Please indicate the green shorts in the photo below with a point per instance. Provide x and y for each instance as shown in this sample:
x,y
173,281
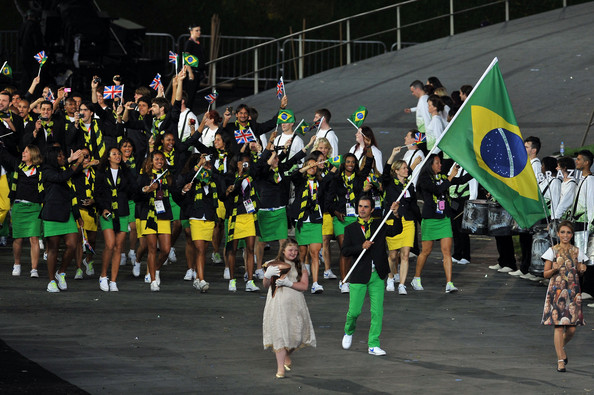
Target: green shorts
x,y
108,223
339,226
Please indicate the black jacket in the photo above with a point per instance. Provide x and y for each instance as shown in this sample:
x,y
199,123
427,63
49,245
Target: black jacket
x,y
128,190
57,203
27,187
353,245
336,198
409,209
272,194
429,187
205,207
143,199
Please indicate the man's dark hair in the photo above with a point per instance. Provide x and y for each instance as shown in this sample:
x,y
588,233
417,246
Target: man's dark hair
x,y
466,89
417,84
535,143
325,113
586,154
161,102
145,99
368,198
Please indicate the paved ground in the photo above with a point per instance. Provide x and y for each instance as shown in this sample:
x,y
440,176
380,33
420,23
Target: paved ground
x,y
486,338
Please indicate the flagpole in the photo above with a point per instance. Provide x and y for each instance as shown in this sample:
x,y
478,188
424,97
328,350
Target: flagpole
x,y
122,94
3,66
39,72
196,175
284,87
412,180
351,122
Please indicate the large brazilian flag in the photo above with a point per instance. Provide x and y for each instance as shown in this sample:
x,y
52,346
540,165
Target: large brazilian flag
x,y
484,138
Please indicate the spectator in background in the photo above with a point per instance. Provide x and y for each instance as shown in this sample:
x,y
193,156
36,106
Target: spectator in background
x,y
194,47
422,111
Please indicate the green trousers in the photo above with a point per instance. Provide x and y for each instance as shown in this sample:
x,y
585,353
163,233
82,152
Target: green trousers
x,y
375,287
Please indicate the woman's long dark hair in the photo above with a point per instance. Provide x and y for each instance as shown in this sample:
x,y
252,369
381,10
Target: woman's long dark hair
x,y
427,168
342,165
51,156
104,161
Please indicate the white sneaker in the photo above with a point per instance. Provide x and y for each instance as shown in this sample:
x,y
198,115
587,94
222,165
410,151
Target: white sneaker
x,y
450,288
527,276
416,284
347,340
495,267
226,274
245,277
402,289
463,261
34,273
113,287
41,245
390,285
397,278
188,276
155,287
345,288
45,259
136,268
308,268
412,255
147,278
52,287
376,351
158,278
79,274
259,274
329,275
88,267
505,269
232,285
122,259
193,274
104,284
250,286
454,260
172,256
16,270
203,286
316,288
132,256
517,273
216,258
321,256
586,296
61,279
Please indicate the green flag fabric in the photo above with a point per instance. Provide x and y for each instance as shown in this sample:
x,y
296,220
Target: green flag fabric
x,y
484,138
358,116
336,161
285,116
7,71
190,59
204,175
302,129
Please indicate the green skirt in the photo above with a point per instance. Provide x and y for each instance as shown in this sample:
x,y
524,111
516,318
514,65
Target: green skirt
x,y
132,208
55,228
25,220
175,209
309,234
273,225
108,223
436,229
339,226
185,223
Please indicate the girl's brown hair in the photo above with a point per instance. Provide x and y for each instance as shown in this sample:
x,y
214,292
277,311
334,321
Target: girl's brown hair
x,y
281,256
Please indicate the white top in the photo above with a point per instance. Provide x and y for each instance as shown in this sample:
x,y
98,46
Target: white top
x,y
434,130
585,199
114,175
409,157
295,147
377,156
423,117
183,129
549,255
208,136
567,195
552,193
332,138
536,168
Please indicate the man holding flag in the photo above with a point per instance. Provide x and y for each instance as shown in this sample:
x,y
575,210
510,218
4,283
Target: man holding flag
x,y
286,119
323,128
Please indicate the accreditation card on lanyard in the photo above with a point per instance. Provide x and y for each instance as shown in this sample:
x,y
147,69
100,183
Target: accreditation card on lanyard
x,y
247,203
159,205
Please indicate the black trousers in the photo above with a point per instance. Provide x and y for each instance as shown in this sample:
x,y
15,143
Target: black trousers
x,y
526,246
505,248
461,239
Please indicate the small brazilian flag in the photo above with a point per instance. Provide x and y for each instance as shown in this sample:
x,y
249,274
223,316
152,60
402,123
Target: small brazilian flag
x,y
373,180
190,59
358,116
484,138
7,71
285,116
303,129
336,161
204,175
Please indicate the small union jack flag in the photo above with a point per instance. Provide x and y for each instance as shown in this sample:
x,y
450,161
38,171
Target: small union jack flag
x,y
210,98
156,82
50,96
420,138
172,57
316,124
280,89
244,136
40,57
113,91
